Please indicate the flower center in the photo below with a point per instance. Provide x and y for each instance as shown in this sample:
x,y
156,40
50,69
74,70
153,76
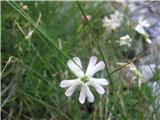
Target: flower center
x,y
84,79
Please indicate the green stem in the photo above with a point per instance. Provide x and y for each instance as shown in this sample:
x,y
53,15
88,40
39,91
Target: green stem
x,y
95,40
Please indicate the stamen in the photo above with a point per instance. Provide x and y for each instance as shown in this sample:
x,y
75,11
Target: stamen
x,y
84,79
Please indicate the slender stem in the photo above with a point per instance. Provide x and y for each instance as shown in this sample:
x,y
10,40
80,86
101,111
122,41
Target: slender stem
x,y
95,40
100,51
8,62
126,64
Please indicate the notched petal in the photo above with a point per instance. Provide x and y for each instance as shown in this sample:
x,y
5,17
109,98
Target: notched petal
x,y
67,83
70,90
99,66
75,68
89,94
92,63
98,88
78,61
82,95
100,81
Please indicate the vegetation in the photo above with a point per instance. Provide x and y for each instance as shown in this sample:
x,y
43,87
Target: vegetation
x,y
38,38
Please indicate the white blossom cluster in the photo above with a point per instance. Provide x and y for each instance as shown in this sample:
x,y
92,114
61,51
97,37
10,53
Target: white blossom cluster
x,y
113,22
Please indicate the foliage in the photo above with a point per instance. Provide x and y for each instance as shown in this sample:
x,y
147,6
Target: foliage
x,y
30,80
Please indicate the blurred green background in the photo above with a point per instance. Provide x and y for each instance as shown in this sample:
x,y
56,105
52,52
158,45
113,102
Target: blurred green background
x,y
30,81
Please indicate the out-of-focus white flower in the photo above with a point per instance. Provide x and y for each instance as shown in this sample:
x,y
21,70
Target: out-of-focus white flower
x,y
156,88
84,80
155,91
125,41
114,22
147,71
140,28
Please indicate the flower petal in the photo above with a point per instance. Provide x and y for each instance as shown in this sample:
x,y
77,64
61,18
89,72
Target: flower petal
x,y
99,66
100,81
75,66
82,95
92,63
78,61
71,90
98,88
68,83
89,94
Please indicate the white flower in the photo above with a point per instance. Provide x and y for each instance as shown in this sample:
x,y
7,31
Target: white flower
x,y
114,22
155,91
147,71
84,80
140,28
141,25
125,40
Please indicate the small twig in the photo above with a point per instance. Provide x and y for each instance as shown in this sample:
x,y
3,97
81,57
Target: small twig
x,y
8,62
126,64
9,96
6,88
